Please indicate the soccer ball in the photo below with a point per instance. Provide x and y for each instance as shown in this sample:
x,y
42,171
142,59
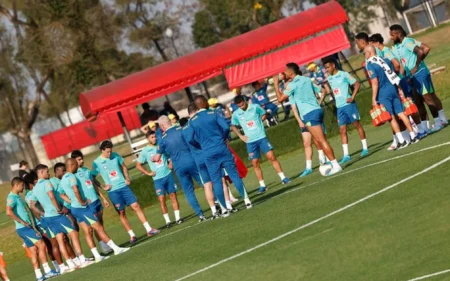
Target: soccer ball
x,y
325,169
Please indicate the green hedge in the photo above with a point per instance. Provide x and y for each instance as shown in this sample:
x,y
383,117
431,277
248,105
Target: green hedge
x,y
285,137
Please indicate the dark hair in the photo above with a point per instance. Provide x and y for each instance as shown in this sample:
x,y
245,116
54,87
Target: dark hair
x,y
59,166
145,106
149,133
294,67
76,153
328,60
30,177
183,121
362,36
191,108
376,38
398,27
255,83
16,181
202,98
23,163
40,167
106,144
238,99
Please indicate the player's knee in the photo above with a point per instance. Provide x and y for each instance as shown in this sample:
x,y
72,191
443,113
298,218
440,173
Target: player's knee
x,y
173,196
343,130
255,163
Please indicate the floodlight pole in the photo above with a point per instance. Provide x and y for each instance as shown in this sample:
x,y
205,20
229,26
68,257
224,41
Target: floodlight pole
x,y
124,127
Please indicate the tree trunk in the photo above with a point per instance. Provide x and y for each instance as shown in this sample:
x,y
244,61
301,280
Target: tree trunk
x,y
31,151
22,150
205,86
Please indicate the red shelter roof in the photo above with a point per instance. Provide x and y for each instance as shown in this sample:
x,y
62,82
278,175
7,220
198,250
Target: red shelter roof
x,y
206,63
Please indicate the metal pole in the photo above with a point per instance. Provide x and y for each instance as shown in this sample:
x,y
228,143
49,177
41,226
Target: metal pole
x,y
430,12
124,127
407,23
187,89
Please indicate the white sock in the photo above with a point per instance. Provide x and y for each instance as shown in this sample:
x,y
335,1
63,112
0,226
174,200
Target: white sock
x,y
177,215
281,175
147,226
335,163
321,156
46,267
427,123
70,263
442,116
412,135
82,259
76,261
309,164
247,201
400,137
364,143
213,209
394,140
56,266
166,218
231,195
131,233
405,135
229,206
345,148
38,273
421,127
62,267
95,253
112,245
262,184
437,122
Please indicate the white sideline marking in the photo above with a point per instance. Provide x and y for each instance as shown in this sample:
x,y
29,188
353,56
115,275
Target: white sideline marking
x,y
430,275
308,185
315,221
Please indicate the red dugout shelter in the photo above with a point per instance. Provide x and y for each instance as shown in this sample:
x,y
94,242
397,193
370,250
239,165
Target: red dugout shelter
x,y
267,45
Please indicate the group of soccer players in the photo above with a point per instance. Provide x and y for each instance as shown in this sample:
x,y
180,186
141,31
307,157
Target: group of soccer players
x,y
198,150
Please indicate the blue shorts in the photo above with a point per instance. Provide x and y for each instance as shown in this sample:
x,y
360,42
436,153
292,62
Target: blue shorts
x,y
313,118
422,82
406,87
59,224
204,175
254,148
40,228
348,114
122,197
96,206
85,215
165,185
392,103
29,236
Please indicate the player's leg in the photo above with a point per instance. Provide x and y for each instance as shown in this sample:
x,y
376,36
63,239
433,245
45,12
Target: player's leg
x,y
89,236
306,136
35,263
3,274
187,184
229,166
214,168
176,206
422,84
119,204
207,186
131,200
253,149
362,137
266,147
41,249
97,208
344,141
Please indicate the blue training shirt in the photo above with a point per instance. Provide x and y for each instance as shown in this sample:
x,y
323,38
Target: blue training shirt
x,y
173,144
196,150
209,131
385,87
260,97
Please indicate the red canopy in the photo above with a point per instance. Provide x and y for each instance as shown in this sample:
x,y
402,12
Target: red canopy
x,y
209,62
321,46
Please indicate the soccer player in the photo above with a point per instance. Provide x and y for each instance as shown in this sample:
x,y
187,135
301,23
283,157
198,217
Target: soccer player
x,y
412,57
174,145
250,118
347,110
210,132
87,219
93,194
163,179
238,92
302,92
3,274
199,159
362,41
114,172
320,76
60,169
57,224
384,82
16,210
260,97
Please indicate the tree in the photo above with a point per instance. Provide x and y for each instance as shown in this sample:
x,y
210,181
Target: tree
x,y
221,20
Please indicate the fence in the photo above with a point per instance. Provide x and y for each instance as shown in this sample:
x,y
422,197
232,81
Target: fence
x,y
429,13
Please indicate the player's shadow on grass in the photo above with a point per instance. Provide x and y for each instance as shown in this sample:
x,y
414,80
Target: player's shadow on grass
x,y
264,197
374,148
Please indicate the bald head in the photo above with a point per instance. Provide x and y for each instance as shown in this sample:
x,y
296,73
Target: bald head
x,y
201,102
71,165
164,122
369,51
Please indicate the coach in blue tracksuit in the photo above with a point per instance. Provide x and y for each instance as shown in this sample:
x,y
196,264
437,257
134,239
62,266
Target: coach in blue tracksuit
x,y
209,132
173,144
